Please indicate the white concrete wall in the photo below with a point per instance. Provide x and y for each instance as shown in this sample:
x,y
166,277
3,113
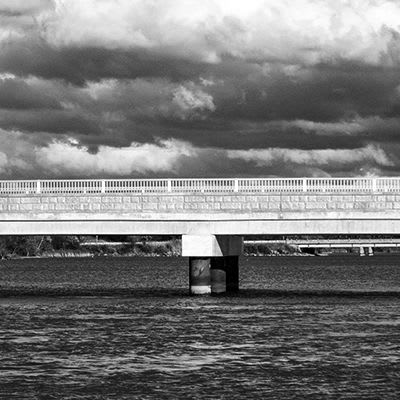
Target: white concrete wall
x,y
222,214
211,245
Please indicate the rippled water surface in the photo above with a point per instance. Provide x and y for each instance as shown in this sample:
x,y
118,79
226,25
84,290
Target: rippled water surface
x,y
302,327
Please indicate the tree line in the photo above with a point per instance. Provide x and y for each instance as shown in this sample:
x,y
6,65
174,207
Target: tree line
x,y
36,246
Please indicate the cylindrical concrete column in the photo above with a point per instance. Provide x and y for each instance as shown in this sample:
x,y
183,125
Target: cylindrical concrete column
x,y
224,274
218,275
199,275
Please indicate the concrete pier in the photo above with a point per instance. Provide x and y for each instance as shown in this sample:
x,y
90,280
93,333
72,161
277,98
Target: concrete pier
x,y
199,275
213,262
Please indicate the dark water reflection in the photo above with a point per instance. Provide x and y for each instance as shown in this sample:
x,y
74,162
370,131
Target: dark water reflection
x,y
301,328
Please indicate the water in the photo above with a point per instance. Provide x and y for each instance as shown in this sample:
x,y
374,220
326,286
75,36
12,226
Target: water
x,y
310,327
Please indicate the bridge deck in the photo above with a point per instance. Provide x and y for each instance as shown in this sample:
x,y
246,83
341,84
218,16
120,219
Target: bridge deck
x,y
201,206
333,243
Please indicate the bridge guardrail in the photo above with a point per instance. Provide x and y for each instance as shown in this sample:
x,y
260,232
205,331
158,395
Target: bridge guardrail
x,y
217,185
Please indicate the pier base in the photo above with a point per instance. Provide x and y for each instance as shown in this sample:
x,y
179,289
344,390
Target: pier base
x,y
213,263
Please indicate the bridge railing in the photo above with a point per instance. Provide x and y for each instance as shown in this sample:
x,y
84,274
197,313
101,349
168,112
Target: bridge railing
x,y
217,185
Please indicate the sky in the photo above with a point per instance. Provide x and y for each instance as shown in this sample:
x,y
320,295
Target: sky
x,y
189,88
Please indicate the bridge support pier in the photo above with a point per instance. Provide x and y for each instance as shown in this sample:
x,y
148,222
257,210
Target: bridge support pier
x,y
199,275
213,263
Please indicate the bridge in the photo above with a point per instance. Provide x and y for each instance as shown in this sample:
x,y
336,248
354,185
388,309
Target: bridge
x,y
365,246
212,215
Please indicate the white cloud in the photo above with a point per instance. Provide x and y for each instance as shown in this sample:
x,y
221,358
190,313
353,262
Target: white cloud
x,y
16,17
3,162
329,128
309,31
324,157
192,101
23,6
152,97
67,158
16,153
6,76
29,156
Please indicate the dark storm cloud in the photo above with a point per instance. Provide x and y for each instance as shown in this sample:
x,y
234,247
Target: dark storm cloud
x,y
17,94
80,65
311,93
47,121
215,88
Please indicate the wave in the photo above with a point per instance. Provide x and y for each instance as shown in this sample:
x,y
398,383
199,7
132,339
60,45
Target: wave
x,y
160,292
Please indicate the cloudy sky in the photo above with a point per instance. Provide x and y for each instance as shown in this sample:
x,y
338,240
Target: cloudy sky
x,y
159,88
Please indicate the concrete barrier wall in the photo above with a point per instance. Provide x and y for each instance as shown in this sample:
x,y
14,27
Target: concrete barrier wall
x,y
186,206
220,214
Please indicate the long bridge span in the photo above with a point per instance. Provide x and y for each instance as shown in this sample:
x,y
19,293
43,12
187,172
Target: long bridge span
x,y
364,245
212,215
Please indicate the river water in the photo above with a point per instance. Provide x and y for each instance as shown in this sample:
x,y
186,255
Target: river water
x,y
125,328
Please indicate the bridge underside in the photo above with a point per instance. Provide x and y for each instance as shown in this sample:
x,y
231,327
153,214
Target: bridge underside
x,y
215,227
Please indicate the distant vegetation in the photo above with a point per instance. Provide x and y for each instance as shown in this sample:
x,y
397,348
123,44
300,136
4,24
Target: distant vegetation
x,y
81,246
89,246
270,249
92,246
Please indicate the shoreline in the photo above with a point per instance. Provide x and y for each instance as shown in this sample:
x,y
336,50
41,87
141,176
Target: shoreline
x,y
83,255
151,255
166,248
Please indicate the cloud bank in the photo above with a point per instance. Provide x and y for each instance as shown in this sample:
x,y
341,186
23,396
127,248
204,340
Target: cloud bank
x,y
188,88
